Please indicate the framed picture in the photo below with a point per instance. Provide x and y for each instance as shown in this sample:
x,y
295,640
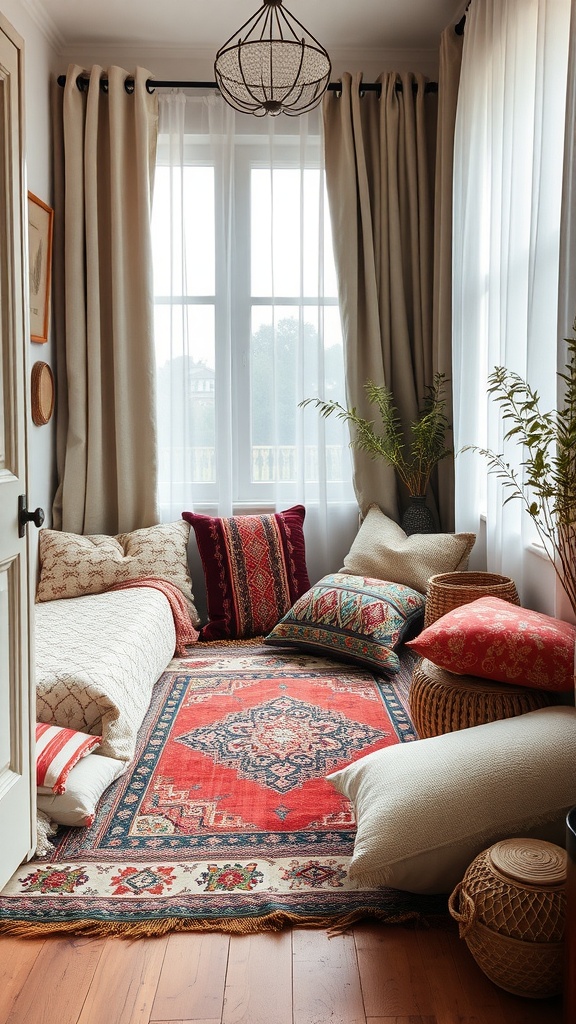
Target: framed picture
x,y
40,226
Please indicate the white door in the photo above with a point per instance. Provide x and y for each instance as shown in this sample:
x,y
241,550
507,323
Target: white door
x,y
17,822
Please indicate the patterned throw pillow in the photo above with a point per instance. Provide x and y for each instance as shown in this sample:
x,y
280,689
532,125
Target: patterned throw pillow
x,y
72,565
57,751
494,639
382,550
255,568
353,618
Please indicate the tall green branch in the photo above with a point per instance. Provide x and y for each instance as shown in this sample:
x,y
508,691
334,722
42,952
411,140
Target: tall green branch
x,y
545,482
413,462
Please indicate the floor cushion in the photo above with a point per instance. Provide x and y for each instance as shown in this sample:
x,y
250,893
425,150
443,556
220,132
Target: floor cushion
x,y
97,659
424,810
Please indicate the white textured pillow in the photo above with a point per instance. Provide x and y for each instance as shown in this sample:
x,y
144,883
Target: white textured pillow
x,y
72,565
86,783
424,810
382,550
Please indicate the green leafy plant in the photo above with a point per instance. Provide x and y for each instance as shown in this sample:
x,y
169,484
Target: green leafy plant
x,y
546,480
414,462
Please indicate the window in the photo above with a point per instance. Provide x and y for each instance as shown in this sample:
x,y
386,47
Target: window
x,y
247,324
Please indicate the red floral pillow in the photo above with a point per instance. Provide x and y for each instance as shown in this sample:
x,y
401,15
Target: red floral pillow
x,y
255,568
494,639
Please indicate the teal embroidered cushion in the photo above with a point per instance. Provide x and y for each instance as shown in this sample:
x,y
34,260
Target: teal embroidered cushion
x,y
353,618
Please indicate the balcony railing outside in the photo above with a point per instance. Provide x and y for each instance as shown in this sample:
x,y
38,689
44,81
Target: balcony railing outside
x,y
270,463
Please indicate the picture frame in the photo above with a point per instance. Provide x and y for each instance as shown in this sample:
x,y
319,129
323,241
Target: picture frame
x,y
40,230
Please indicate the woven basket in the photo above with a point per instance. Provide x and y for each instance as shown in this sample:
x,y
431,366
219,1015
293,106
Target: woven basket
x,y
441,701
511,910
448,590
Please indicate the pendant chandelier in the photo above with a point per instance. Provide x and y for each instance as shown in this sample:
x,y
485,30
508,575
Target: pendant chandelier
x,y
278,66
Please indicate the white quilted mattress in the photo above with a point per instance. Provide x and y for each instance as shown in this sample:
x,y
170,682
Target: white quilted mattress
x,y
97,659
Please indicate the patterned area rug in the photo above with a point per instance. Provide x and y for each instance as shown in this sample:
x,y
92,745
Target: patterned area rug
x,y
225,821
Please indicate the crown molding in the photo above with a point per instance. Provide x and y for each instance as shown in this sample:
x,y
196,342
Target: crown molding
x,y
45,23
143,52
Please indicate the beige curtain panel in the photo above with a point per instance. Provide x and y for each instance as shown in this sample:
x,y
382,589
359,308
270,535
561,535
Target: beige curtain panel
x,y
105,145
379,171
448,81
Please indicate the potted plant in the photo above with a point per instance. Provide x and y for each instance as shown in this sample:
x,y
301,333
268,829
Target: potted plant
x,y
413,460
546,484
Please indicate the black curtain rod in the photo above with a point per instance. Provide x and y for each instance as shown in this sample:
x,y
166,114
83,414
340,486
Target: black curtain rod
x,y
152,84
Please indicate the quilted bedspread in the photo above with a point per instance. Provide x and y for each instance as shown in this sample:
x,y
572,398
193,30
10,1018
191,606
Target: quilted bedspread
x,y
97,659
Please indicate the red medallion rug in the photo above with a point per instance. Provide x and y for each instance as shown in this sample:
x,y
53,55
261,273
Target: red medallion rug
x,y
225,821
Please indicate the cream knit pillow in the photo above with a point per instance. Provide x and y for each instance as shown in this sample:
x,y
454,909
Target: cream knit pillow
x,y
382,550
72,565
425,809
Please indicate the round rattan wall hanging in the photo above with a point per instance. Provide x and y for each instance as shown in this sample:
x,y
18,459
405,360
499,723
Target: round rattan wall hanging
x,y
42,387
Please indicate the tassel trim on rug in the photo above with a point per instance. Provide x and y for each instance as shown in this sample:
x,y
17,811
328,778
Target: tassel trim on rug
x,y
231,926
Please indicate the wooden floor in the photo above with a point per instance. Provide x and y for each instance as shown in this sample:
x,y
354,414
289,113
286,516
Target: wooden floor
x,y
373,974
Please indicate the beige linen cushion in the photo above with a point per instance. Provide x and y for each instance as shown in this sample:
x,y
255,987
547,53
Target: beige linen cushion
x,y
382,551
425,809
72,565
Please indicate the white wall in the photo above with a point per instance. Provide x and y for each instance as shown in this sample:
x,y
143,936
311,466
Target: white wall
x,y
176,65
40,64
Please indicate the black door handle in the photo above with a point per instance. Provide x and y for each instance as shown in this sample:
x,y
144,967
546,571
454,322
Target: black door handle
x,y
25,517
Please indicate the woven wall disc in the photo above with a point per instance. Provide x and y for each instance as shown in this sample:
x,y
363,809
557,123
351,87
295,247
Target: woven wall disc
x,y
42,390
531,861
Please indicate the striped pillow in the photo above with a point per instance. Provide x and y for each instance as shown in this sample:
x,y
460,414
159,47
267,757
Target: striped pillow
x,y
57,751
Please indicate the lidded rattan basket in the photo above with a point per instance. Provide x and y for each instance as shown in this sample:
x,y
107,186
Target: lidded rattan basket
x,y
448,590
511,909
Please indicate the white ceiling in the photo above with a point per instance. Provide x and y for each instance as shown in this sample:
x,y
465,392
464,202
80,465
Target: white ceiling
x,y
202,25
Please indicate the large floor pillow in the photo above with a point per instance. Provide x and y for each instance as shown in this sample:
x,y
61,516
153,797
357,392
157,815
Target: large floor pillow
x,y
425,810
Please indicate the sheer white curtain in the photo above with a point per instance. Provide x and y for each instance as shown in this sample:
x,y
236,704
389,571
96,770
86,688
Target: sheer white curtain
x,y
247,322
507,213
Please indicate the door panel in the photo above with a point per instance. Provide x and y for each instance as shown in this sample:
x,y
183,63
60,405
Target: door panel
x,y
17,828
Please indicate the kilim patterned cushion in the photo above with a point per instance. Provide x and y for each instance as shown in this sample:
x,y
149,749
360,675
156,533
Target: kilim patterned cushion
x,y
353,618
255,568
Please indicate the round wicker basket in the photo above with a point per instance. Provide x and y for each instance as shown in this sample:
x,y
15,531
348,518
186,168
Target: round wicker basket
x,y
441,701
448,590
511,910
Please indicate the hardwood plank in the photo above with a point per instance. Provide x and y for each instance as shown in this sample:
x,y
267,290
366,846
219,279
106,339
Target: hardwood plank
x,y
326,983
57,984
192,979
194,1020
259,979
17,958
451,1003
392,974
481,993
125,982
531,1011
402,1020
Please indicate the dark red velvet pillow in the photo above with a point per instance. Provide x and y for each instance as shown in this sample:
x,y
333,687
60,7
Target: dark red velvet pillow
x,y
255,568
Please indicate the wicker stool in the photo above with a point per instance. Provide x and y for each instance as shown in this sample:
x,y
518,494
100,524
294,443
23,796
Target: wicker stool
x,y
448,590
441,701
511,910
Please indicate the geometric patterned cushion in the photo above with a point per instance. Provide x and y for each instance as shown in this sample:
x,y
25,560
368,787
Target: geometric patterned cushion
x,y
72,565
494,639
255,568
353,618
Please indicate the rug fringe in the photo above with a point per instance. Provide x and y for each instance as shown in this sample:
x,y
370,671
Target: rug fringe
x,y
230,926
